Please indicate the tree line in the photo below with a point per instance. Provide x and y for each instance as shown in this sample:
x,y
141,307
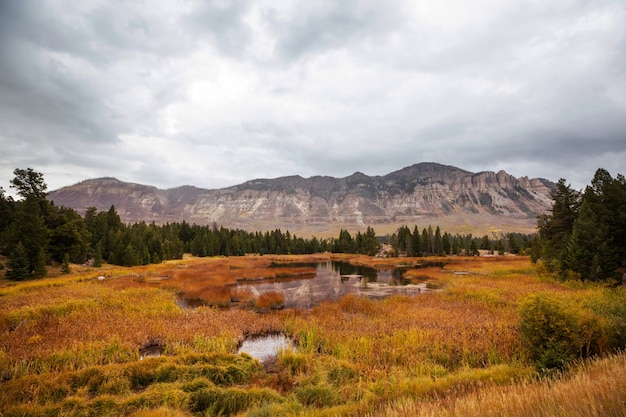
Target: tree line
x,y
431,242
584,235
35,233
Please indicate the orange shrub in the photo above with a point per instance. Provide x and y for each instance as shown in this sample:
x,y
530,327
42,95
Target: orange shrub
x,y
270,299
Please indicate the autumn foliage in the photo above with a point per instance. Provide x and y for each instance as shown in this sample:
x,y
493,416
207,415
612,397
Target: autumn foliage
x,y
73,344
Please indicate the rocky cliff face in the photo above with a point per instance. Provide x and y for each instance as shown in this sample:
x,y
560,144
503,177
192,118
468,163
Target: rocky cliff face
x,y
422,194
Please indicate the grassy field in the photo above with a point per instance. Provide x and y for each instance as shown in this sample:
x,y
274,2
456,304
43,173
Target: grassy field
x,y
72,344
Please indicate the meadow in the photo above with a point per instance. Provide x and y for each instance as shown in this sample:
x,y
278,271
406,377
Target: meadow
x,y
77,344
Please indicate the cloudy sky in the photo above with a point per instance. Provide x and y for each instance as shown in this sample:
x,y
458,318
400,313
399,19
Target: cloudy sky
x,y
214,93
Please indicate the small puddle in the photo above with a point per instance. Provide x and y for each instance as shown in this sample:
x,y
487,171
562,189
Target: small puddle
x,y
266,347
153,348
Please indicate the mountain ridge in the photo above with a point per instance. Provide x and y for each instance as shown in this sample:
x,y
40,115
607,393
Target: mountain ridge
x,y
423,193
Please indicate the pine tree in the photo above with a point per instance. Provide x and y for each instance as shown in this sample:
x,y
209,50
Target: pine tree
x,y
40,270
416,242
425,240
438,242
590,252
556,228
18,266
32,232
97,257
65,267
447,246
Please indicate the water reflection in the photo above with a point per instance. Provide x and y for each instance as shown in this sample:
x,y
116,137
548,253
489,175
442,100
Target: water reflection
x,y
264,347
334,280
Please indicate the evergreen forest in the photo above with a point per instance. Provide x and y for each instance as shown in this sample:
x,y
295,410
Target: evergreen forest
x,y
583,236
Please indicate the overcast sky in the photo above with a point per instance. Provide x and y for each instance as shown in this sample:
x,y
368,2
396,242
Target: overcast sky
x,y
214,93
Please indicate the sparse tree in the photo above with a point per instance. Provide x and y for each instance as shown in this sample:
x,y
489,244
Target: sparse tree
x,y
28,182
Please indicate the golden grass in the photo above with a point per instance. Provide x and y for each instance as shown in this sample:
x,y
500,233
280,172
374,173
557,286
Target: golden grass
x,y
270,299
596,389
450,351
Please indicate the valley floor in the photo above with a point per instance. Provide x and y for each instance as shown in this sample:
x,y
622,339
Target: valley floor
x,y
117,341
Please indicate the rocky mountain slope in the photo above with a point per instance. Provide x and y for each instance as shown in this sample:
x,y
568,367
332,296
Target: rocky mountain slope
x,y
422,194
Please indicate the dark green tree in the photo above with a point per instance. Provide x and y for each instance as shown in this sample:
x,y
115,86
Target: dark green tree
x,y
404,236
97,256
65,267
345,243
18,267
28,182
438,242
369,244
590,252
30,229
447,245
556,228
416,242
425,244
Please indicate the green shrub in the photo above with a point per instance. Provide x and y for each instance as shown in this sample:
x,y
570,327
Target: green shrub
x,y
218,401
156,395
196,385
292,362
320,396
142,374
342,373
555,332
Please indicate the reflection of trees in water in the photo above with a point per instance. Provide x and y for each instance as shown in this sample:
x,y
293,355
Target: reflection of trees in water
x,y
397,277
344,268
331,281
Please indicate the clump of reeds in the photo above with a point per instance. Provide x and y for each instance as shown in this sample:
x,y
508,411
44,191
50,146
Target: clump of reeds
x,y
218,401
597,388
71,345
241,294
213,296
270,300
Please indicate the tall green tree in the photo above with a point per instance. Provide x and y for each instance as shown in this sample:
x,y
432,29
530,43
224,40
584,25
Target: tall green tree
x,y
585,235
29,182
556,228
7,216
369,244
590,252
30,229
438,242
18,267
416,242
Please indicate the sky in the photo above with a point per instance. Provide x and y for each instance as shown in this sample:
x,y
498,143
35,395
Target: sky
x,y
215,93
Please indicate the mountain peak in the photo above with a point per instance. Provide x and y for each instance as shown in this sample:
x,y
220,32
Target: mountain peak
x,y
423,193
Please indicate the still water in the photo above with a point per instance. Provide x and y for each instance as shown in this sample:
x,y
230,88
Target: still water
x,y
266,347
332,281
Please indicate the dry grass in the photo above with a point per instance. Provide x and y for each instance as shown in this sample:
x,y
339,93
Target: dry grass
x,y
449,352
270,299
597,389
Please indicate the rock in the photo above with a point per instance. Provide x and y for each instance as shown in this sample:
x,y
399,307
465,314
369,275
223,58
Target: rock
x,y
318,203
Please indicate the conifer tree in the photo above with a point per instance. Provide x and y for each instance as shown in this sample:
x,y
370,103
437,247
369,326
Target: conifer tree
x,y
18,265
590,252
416,242
556,228
65,267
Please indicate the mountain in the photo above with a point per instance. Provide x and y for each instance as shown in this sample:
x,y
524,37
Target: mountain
x,y
422,194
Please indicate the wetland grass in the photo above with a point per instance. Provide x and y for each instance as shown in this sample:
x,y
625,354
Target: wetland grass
x,y
72,345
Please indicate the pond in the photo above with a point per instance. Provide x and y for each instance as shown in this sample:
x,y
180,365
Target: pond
x,y
333,280
266,347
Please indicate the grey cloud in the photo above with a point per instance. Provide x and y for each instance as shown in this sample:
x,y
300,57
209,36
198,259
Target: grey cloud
x,y
343,86
331,25
223,23
40,93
